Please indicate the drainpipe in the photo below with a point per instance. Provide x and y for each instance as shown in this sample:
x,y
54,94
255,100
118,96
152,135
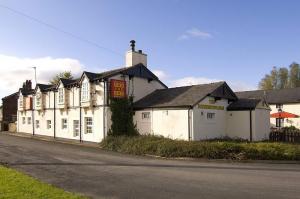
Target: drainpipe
x,y
189,125
104,107
32,114
251,136
80,134
54,112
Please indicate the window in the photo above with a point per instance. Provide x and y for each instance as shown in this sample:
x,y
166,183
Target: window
x,y
64,123
38,99
88,124
48,124
29,120
85,91
37,124
146,115
75,128
279,106
61,95
279,122
21,101
23,120
210,116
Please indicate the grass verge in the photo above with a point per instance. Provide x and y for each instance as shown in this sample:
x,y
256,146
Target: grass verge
x,y
14,184
164,147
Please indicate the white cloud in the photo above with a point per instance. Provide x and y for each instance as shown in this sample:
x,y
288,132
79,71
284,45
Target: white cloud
x,y
160,74
187,81
15,70
195,33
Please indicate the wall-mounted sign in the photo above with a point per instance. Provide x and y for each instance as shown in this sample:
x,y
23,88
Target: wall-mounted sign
x,y
117,88
214,107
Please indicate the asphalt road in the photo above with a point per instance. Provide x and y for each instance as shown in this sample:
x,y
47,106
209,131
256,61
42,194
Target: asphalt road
x,y
101,174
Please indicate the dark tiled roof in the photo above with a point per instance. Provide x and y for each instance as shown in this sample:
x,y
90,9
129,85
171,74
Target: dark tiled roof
x,y
11,95
281,96
243,104
68,82
138,70
44,87
186,96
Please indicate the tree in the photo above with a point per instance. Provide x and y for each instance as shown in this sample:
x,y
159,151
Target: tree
x,y
294,75
65,75
122,117
281,78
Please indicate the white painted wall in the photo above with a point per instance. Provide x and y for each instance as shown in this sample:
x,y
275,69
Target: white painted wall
x,y
262,124
238,124
170,123
204,128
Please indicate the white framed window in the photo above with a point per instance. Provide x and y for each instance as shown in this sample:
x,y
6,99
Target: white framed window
x,y
29,120
145,115
279,106
211,116
38,99
23,120
75,128
64,123
37,124
88,124
49,124
21,101
85,91
61,96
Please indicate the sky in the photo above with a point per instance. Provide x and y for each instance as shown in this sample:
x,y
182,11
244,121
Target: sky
x,y
187,41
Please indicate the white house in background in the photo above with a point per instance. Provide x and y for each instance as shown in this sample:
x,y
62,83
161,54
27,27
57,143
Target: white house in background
x,y
287,100
79,109
202,112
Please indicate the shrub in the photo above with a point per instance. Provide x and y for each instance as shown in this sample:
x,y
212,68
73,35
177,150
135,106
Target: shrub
x,y
159,146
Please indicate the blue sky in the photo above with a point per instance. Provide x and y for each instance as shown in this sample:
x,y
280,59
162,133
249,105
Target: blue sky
x,y
186,41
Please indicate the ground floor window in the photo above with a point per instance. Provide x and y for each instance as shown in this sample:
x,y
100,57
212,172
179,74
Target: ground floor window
x,y
37,124
29,120
211,116
48,124
75,128
145,115
88,124
279,122
64,123
23,120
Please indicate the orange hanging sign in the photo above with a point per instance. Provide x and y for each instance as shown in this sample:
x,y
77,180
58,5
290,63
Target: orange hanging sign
x,y
117,88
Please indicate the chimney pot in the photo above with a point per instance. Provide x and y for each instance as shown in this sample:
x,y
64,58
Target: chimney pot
x,y
132,44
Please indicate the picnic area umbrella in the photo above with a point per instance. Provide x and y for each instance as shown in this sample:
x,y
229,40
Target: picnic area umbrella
x,y
283,114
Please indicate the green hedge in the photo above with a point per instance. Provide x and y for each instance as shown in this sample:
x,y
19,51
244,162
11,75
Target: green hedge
x,y
159,146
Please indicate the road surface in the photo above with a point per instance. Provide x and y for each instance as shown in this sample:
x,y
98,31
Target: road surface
x,y
102,174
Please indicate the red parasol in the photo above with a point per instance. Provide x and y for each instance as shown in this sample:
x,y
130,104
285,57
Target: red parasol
x,y
283,114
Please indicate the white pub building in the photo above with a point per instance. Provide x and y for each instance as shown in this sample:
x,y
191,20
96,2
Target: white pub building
x,y
79,109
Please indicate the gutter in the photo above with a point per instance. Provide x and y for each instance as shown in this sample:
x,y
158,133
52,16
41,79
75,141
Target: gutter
x,y
251,133
32,112
104,107
189,125
80,114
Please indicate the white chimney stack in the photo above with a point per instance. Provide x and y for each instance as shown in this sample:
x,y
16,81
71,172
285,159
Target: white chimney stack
x,y
135,57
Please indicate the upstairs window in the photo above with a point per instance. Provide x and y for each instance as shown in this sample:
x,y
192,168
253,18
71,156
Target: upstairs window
x,y
279,106
61,95
85,91
38,99
21,101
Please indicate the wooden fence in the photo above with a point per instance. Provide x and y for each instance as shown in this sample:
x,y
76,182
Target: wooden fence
x,y
285,136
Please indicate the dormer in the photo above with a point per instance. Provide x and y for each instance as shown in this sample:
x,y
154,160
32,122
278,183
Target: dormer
x,y
61,95
85,94
21,102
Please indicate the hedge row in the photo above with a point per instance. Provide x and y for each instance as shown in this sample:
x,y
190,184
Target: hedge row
x,y
164,147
